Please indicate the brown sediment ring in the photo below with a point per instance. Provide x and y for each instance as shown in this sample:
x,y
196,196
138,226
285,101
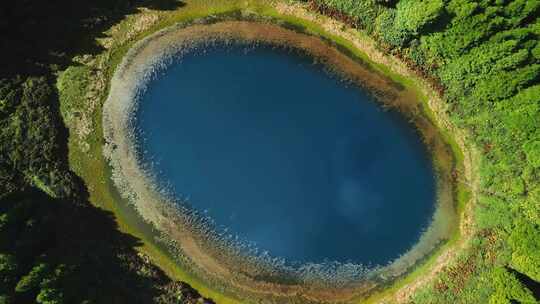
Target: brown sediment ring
x,y
154,207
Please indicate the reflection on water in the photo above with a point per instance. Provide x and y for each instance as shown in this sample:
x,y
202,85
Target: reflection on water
x,y
288,157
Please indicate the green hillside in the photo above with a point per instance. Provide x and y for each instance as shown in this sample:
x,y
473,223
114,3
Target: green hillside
x,y
56,246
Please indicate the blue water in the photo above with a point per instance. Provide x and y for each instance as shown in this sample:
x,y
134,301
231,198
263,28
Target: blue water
x,y
288,157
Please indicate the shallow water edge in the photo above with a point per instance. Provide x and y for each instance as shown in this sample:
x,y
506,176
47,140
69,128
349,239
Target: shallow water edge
x,y
135,183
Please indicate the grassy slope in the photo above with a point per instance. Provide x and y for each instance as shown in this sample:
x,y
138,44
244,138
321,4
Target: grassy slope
x,y
463,193
92,167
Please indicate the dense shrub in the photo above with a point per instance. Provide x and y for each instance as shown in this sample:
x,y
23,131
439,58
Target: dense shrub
x,y
486,55
56,247
414,17
364,12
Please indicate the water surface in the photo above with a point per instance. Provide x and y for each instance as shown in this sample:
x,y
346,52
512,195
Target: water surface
x,y
286,156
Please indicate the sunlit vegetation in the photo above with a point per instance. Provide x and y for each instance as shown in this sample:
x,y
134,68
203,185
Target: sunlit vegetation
x,y
31,135
483,56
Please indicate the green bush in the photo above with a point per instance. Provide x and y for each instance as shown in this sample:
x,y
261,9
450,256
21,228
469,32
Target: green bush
x,y
486,54
364,12
508,289
525,243
532,150
413,17
32,280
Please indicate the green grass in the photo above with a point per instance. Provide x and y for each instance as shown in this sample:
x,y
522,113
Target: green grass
x,y
93,168
43,186
462,192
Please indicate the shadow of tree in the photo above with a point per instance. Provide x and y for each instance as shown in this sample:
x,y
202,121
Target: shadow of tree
x,y
61,249
85,256
38,36
531,284
98,260
162,5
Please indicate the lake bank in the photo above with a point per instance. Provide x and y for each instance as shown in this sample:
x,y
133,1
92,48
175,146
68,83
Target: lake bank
x,y
140,65
401,105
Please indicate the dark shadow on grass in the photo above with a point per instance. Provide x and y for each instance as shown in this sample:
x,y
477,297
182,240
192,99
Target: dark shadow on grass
x,y
87,258
531,284
99,263
40,36
85,239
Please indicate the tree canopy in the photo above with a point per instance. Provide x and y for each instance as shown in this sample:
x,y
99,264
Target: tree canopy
x,y
485,55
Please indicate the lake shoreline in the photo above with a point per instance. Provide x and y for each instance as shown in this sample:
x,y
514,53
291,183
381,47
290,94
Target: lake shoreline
x,y
86,140
428,130
466,155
